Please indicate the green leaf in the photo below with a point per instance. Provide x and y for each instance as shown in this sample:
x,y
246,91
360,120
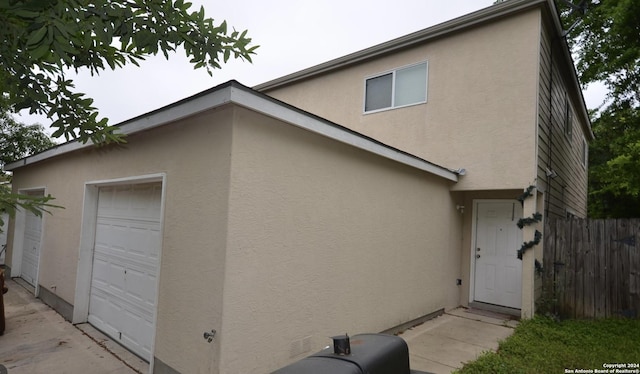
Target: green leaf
x,y
43,38
39,52
24,13
37,36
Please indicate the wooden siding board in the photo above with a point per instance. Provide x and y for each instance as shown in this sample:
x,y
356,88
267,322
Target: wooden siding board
x,y
555,150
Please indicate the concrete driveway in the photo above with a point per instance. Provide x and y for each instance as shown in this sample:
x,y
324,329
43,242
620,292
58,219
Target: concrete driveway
x,y
39,340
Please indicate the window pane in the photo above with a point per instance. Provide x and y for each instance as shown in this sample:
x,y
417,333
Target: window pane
x,y
378,93
411,85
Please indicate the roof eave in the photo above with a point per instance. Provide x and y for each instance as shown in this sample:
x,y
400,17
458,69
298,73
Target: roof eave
x,y
566,55
235,93
440,30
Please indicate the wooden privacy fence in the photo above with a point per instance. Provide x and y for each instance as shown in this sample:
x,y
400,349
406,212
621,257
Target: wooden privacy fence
x,y
591,267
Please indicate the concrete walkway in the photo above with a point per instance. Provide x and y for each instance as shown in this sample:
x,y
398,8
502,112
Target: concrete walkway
x,y
445,343
39,340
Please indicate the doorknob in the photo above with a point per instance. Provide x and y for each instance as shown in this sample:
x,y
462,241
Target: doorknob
x,y
477,256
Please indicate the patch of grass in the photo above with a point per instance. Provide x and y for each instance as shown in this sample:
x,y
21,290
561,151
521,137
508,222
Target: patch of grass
x,y
544,345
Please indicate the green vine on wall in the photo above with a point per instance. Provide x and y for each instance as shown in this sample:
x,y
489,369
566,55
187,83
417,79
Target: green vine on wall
x,y
526,193
536,239
522,222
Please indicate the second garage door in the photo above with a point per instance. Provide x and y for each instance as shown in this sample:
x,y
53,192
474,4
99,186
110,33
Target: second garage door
x,y
125,264
31,245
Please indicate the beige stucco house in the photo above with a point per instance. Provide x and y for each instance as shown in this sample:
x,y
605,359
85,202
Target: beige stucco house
x,y
493,93
238,228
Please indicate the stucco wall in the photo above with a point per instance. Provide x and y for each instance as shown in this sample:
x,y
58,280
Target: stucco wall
x,y
481,102
326,239
195,155
274,236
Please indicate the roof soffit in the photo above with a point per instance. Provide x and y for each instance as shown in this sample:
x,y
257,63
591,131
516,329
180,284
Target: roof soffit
x,y
235,93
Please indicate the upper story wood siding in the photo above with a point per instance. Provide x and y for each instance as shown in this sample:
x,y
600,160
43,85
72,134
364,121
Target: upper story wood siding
x,y
562,134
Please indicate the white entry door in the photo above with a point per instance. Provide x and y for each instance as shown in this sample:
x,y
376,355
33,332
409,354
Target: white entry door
x,y
498,271
125,265
31,245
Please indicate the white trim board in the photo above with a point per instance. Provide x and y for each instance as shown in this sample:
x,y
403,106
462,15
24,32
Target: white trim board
x,y
87,241
235,93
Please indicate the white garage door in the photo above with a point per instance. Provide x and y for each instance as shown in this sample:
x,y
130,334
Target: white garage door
x,y
125,264
3,237
31,245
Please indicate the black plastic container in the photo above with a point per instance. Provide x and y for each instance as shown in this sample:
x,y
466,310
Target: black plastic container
x,y
370,354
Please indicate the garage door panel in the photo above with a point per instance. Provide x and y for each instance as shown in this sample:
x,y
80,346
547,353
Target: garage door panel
x,y
115,278
126,259
101,306
100,270
31,245
131,238
139,202
139,286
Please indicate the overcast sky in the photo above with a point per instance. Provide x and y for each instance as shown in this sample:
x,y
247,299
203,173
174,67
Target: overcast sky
x,y
292,34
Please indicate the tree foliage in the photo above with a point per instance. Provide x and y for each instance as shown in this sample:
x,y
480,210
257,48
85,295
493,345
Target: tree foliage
x,y
606,42
614,173
18,140
41,40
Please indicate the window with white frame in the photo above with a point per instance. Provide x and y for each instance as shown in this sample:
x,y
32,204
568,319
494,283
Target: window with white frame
x,y
401,87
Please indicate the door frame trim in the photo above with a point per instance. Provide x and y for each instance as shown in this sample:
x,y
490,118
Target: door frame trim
x,y
87,241
20,220
472,252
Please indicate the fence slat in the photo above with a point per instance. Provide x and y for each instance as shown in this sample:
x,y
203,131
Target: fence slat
x,y
590,249
608,247
623,267
548,260
634,269
592,267
562,259
578,247
600,269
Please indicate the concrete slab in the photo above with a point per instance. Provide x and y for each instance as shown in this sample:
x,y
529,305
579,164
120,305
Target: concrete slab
x,y
445,343
39,340
425,365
